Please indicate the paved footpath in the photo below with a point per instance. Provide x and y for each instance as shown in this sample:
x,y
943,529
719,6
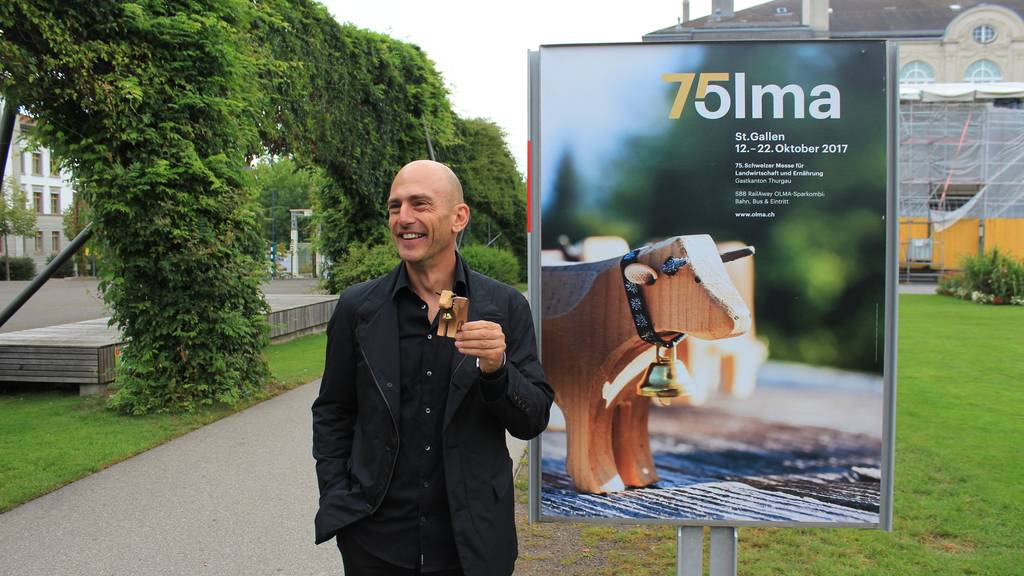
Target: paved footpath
x,y
236,497
67,300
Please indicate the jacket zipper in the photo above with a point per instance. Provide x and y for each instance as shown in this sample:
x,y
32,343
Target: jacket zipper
x,y
394,423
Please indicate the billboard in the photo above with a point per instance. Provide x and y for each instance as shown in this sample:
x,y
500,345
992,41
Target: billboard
x,y
714,297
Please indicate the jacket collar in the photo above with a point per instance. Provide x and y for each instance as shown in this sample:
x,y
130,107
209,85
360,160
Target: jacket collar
x,y
460,288
377,333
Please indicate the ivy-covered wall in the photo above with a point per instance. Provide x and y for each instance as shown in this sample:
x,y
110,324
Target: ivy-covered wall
x,y
152,104
159,106
356,103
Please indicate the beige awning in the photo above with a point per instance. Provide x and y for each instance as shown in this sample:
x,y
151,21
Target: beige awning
x,y
961,91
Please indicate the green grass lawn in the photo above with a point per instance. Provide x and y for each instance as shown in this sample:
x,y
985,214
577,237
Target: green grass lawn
x,y
959,480
959,460
48,439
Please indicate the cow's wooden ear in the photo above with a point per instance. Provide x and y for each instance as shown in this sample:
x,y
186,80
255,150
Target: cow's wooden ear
x,y
638,273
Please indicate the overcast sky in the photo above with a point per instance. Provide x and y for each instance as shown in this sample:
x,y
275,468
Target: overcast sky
x,y
480,47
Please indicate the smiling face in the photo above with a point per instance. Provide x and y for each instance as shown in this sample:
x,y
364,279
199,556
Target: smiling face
x,y
426,212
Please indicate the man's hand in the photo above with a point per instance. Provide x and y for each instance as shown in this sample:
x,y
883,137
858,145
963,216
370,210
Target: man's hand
x,y
485,340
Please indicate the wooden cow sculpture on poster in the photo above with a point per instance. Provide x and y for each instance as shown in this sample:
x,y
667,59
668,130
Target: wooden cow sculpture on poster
x,y
595,358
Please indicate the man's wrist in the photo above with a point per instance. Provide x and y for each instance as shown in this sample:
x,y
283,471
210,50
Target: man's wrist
x,y
497,371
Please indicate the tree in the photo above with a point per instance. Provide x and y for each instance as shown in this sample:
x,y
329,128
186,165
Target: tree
x,y
17,218
153,106
356,103
282,185
562,217
493,187
157,107
76,217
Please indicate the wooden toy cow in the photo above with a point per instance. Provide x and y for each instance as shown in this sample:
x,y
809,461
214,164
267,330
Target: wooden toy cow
x,y
729,365
608,324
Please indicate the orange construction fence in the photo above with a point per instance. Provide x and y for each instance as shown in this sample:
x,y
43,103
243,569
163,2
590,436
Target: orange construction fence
x,y
951,245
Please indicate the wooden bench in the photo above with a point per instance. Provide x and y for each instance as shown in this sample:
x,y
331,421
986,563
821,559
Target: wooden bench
x,y
84,353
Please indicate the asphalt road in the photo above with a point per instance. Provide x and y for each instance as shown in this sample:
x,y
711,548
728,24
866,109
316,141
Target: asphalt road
x,y
65,300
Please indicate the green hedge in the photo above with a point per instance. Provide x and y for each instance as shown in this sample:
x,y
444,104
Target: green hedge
x,y
363,262
22,268
499,264
991,278
66,270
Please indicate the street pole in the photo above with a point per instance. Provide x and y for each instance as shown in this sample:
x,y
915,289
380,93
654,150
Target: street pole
x,y
6,131
273,234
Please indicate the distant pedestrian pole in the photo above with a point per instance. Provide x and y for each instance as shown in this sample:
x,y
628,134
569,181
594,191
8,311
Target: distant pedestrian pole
x,y
273,234
294,248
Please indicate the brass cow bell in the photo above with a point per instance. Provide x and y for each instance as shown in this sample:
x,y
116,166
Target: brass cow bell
x,y
454,312
666,378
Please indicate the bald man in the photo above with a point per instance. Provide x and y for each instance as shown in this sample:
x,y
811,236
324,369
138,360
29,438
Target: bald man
x,y
409,427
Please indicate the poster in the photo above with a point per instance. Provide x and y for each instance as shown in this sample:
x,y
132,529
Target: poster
x,y
713,291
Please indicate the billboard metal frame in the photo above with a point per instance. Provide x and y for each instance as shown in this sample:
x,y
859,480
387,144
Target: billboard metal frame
x,y
534,178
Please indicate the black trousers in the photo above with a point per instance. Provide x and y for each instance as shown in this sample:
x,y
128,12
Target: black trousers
x,y
359,562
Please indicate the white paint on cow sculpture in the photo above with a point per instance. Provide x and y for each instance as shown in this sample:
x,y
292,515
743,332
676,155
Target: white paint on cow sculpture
x,y
612,389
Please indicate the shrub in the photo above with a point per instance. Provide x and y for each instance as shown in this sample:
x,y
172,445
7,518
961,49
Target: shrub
x,y
954,285
363,262
66,270
996,274
499,264
22,268
991,278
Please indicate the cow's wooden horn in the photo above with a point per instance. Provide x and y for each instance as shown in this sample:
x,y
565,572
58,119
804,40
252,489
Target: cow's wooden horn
x,y
737,254
638,273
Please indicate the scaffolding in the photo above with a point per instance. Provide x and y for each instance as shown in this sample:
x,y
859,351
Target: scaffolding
x,y
961,172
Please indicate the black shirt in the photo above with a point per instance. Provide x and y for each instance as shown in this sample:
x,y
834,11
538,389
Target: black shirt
x,y
412,527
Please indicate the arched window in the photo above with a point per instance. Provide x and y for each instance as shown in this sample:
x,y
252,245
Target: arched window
x,y
917,72
983,71
983,34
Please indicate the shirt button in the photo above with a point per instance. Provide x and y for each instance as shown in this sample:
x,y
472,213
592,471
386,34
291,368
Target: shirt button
x,y
389,385
423,519
427,410
427,448
430,336
426,484
429,373
424,307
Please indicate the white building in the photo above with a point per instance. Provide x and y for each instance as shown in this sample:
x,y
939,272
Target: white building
x,y
48,190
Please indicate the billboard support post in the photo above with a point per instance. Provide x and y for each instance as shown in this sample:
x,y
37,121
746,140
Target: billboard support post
x,y
690,551
723,551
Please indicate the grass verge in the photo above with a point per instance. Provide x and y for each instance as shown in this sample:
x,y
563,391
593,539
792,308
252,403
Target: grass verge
x,y
48,439
959,459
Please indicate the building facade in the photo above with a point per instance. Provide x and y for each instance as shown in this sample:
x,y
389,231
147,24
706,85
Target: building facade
x,y
940,42
49,192
982,44
961,112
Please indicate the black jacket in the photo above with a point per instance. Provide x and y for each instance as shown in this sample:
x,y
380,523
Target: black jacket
x,y
355,431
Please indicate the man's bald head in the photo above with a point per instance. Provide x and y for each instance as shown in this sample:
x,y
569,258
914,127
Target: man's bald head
x,y
433,173
426,212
